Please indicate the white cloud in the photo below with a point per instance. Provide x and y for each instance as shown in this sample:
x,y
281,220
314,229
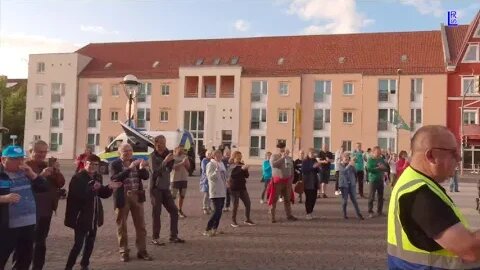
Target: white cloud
x,y
97,29
242,25
426,7
329,17
15,50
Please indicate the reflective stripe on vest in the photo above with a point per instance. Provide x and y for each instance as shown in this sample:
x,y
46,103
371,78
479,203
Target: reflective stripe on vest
x,y
398,243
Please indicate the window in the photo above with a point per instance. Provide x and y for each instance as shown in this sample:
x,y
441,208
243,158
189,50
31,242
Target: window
x,y
93,140
348,88
39,90
210,91
38,114
386,87
94,115
94,91
227,138
257,143
327,115
347,117
37,137
416,89
282,141
115,90
165,89
347,145
283,89
318,142
40,67
415,118
57,116
477,32
320,117
56,140
258,116
472,53
387,143
469,85
385,116
282,116
58,90
143,116
322,89
114,116
470,117
259,89
163,116
144,91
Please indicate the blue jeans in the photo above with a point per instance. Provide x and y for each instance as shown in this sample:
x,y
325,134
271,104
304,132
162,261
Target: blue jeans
x,y
349,192
454,183
214,221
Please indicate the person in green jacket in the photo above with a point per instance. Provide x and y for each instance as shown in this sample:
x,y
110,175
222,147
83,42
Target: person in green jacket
x,y
376,167
266,175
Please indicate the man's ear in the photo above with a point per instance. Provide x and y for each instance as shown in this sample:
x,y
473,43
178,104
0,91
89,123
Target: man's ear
x,y
429,156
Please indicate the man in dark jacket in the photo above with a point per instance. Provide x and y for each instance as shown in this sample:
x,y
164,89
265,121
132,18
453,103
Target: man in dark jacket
x,y
161,164
130,198
47,202
18,213
84,211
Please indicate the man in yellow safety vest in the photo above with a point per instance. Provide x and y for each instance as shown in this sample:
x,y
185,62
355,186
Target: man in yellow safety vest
x,y
425,228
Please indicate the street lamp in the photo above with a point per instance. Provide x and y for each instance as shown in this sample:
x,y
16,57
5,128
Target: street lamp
x,y
130,86
399,72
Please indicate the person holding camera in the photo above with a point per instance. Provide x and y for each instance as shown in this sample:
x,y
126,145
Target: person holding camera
x,y
130,198
179,178
238,187
161,164
47,202
84,210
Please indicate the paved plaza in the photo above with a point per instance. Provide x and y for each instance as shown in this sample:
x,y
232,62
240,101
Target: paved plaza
x,y
327,242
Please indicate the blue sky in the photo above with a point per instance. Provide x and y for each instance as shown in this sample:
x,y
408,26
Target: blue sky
x,y
49,26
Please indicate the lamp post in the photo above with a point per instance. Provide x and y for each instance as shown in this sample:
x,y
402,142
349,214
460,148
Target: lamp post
x,y
399,71
130,86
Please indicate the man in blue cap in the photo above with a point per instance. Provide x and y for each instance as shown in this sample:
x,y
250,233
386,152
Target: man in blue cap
x,y
17,207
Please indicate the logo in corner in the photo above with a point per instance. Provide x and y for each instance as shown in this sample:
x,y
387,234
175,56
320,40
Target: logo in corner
x,y
452,19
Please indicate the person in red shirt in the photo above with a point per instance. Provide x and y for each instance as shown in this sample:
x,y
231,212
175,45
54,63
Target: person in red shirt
x,y
82,158
402,163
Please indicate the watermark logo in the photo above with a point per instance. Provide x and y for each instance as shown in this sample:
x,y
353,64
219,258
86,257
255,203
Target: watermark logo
x,y
452,19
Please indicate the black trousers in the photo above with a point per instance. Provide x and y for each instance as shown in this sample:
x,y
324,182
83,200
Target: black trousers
x,y
40,246
237,196
360,176
83,239
310,199
228,198
159,198
375,187
19,240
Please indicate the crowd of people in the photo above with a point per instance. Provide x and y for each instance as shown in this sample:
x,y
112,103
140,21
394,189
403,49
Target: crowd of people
x,y
30,190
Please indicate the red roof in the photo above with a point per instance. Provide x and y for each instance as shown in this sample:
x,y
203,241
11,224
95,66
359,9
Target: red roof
x,y
371,53
455,37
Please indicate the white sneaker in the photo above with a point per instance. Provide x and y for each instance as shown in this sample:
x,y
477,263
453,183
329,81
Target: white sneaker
x,y
280,200
338,193
262,201
309,217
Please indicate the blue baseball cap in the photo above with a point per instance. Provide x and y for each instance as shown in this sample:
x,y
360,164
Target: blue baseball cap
x,y
13,151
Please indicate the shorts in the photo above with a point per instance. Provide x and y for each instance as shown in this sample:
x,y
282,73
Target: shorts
x,y
324,176
178,187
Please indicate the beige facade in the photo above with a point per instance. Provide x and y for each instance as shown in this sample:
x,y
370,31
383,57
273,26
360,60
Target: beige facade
x,y
52,100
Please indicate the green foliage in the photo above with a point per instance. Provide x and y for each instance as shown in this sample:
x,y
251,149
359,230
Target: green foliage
x,y
14,111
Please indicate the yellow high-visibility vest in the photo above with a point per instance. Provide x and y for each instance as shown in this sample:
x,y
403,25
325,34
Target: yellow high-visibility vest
x,y
399,245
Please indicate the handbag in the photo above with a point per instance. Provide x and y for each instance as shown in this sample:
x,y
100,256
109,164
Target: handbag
x,y
299,187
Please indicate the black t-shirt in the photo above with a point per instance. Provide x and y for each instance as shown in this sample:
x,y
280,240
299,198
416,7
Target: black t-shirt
x,y
424,215
323,156
297,165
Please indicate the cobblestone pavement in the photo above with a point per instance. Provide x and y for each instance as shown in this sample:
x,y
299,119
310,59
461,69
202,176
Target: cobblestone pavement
x,y
327,242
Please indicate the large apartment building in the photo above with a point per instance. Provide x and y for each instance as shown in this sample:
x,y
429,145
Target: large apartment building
x,y
244,92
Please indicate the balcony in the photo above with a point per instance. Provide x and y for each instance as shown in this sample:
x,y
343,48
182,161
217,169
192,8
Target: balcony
x,y
92,123
191,86
382,125
383,96
227,94
141,98
318,125
56,98
92,98
255,125
55,122
227,86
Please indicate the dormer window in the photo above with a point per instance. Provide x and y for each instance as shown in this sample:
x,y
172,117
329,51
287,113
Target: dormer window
x,y
472,54
199,61
477,32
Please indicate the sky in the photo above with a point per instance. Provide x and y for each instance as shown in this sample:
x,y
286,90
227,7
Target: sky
x,y
54,26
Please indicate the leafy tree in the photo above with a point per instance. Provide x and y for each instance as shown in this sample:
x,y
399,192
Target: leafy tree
x,y
14,100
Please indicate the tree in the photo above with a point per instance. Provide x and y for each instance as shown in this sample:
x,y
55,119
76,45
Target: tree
x,y
14,112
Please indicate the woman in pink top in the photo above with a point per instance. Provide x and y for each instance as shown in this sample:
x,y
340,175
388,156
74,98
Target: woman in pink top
x,y
402,163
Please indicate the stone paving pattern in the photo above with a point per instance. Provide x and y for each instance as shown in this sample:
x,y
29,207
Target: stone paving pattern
x,y
327,242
